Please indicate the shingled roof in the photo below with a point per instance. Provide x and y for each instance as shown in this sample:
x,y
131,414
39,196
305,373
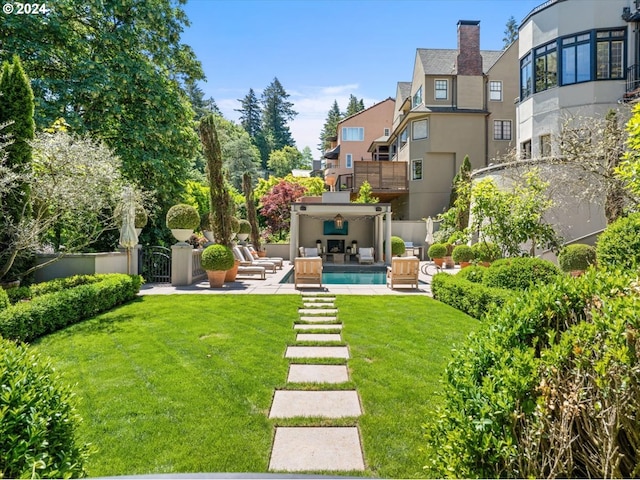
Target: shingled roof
x,y
443,61
404,90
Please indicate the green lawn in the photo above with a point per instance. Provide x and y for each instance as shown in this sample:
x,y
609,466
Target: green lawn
x,y
184,383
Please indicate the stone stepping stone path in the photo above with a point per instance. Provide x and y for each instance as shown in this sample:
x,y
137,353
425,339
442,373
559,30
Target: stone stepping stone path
x,y
316,447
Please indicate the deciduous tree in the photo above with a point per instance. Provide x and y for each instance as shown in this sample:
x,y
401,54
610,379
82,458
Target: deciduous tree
x,y
276,206
282,162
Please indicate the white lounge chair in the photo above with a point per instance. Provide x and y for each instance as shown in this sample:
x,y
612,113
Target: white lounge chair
x,y
279,261
307,270
403,271
365,255
249,262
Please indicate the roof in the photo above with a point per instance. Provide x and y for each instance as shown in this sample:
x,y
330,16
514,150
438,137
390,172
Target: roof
x,y
366,109
404,90
437,61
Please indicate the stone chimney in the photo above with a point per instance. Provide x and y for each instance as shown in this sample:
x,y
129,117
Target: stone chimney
x,y
469,61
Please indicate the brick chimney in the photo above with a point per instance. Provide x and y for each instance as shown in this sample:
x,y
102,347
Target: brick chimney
x,y
469,61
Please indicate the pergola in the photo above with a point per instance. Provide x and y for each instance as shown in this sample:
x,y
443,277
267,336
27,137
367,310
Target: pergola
x,y
379,214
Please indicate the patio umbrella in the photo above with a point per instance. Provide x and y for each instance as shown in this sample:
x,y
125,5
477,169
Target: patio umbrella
x,y
429,238
128,235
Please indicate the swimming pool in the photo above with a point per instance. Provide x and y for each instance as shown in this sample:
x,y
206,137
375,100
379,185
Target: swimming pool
x,y
368,277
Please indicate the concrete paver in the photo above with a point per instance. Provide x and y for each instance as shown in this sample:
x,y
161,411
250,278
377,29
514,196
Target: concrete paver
x,y
300,449
316,352
318,337
317,311
319,318
318,374
305,403
317,326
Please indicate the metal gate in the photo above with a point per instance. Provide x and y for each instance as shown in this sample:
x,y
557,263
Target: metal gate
x,y
154,264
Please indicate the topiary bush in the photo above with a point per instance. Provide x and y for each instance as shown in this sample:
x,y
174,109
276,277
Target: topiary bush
x,y
520,273
397,246
141,217
576,257
462,253
486,252
234,224
619,244
473,273
245,226
549,386
217,257
205,222
183,216
38,422
437,250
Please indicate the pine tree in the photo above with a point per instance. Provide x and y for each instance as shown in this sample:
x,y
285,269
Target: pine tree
x,y
250,114
510,32
330,125
276,113
354,106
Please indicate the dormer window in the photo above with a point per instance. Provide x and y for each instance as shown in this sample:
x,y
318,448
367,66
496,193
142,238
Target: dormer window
x,y
417,98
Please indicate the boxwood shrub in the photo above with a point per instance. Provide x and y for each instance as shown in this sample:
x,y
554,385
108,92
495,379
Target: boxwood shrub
x,y
576,257
619,244
472,298
38,422
473,273
520,273
4,298
26,321
55,285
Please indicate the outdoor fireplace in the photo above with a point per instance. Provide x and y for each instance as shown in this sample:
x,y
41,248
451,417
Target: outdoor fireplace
x,y
335,246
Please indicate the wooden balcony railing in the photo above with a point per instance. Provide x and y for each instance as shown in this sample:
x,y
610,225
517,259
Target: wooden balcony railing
x,y
381,175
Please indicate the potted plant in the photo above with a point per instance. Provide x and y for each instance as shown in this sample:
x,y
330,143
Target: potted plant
x,y
182,220
486,252
397,246
244,229
436,252
205,226
234,225
576,258
448,259
462,254
141,219
216,260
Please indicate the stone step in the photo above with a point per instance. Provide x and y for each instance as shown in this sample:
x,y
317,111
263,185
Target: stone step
x,y
319,299
317,352
318,305
318,326
318,311
319,318
317,373
318,337
310,403
300,449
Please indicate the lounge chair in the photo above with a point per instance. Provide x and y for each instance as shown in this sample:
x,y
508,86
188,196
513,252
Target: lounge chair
x,y
365,255
279,261
307,270
403,271
249,262
251,270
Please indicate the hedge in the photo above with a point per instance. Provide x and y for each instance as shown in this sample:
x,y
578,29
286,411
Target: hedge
x,y
472,298
55,285
619,244
44,314
4,299
520,273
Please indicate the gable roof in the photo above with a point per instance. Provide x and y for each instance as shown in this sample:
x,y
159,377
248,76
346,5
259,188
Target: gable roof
x,y
404,90
366,109
436,61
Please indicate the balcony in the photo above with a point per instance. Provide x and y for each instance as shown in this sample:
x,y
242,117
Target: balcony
x,y
388,180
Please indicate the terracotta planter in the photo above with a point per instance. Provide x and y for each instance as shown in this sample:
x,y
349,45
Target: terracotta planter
x,y
262,253
576,273
216,278
464,264
485,264
230,275
438,261
448,262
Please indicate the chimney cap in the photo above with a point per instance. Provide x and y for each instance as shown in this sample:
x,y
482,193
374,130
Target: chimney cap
x,y
468,22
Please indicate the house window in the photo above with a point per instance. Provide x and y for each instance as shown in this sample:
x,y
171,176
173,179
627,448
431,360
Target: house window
x,y
495,91
349,160
420,129
352,134
610,54
442,87
416,169
576,59
525,150
502,129
545,145
387,132
526,77
417,97
546,63
403,137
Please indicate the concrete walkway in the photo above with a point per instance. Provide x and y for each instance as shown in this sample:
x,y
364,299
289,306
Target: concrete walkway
x,y
317,447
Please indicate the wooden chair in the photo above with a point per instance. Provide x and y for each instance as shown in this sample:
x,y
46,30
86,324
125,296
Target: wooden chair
x,y
403,271
307,270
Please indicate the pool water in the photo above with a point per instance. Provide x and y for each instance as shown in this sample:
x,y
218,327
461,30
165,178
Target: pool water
x,y
347,278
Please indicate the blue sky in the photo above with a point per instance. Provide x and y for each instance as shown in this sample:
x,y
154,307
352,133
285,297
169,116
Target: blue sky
x,y
325,50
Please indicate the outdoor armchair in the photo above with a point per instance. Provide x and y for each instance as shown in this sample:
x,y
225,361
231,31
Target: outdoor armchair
x,y
403,271
307,270
365,255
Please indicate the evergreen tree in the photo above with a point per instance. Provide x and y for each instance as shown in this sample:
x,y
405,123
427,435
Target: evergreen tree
x,y
201,107
354,106
307,158
510,32
250,114
276,113
330,126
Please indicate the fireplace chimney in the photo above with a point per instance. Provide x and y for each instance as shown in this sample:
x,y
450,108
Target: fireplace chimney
x,y
469,61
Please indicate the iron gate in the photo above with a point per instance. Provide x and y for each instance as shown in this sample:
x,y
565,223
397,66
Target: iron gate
x,y
154,264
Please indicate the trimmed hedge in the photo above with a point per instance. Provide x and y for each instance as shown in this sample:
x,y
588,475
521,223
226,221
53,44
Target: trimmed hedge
x,y
473,273
520,273
619,244
576,257
55,285
50,312
474,299
38,422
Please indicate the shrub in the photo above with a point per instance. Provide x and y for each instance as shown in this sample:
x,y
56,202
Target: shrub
x,y
437,250
547,387
55,285
519,273
576,257
473,273
462,253
486,251
183,216
619,244
245,226
4,299
234,224
397,246
141,217
50,312
205,221
217,257
471,298
38,422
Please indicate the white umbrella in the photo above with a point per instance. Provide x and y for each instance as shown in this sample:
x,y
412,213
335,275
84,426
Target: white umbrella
x,y
128,235
429,238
